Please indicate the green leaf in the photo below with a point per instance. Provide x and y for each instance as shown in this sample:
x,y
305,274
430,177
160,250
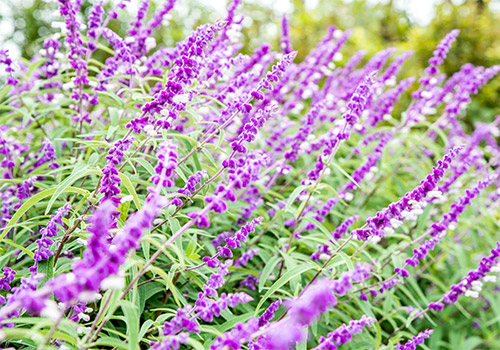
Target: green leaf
x,y
9,242
4,91
111,342
167,279
144,328
113,116
32,201
113,99
300,269
294,195
333,191
145,164
111,131
132,321
270,266
343,172
46,267
68,182
302,345
130,188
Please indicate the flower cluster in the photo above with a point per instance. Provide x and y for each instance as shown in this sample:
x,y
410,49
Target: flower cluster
x,y
251,128
4,58
417,340
355,107
76,46
471,281
46,154
190,187
5,281
110,180
408,206
344,333
240,175
51,230
167,163
273,76
314,301
186,68
438,228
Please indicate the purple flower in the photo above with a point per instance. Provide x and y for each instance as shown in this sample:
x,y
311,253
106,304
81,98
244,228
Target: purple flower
x,y
251,128
240,175
46,154
438,229
4,58
8,277
429,81
385,103
171,343
344,333
343,227
78,312
408,205
5,281
316,300
247,256
23,296
50,230
110,180
120,63
286,45
76,46
167,164
268,315
249,282
186,67
303,311
24,191
189,187
470,285
417,340
95,21
292,154
239,335
355,107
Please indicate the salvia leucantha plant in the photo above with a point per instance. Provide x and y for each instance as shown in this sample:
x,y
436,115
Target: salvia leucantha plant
x,y
194,197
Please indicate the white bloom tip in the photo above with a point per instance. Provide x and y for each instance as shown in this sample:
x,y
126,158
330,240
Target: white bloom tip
x,y
113,282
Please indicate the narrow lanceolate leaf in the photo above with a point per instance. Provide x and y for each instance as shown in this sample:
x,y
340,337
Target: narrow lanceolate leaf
x,y
132,321
30,202
67,182
298,270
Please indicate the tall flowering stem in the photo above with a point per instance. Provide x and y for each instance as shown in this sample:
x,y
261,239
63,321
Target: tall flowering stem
x,y
77,49
356,107
427,83
344,333
51,230
417,340
257,94
436,231
286,45
407,206
315,300
172,98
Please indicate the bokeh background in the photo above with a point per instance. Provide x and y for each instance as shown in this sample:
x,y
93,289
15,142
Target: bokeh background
x,y
404,24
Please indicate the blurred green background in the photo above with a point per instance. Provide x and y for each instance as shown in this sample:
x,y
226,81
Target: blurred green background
x,y
405,24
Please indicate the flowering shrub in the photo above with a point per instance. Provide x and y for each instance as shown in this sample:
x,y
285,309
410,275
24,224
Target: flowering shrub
x,y
193,197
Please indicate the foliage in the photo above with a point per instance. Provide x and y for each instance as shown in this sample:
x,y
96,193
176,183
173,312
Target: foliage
x,y
208,193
